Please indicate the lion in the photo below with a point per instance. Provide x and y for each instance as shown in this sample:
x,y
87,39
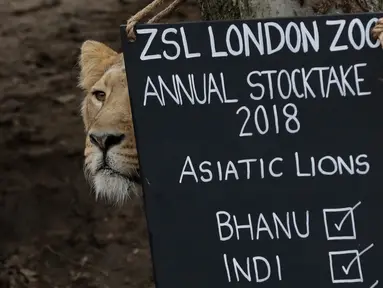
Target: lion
x,y
111,163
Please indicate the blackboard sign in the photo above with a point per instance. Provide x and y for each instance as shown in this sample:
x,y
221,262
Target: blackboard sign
x,y
261,150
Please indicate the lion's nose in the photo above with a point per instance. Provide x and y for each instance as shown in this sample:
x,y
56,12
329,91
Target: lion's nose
x,y
105,141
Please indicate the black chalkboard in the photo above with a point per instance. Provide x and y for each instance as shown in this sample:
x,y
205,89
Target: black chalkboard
x,y
252,184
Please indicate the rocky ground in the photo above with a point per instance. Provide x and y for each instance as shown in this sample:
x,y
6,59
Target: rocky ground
x,y
52,231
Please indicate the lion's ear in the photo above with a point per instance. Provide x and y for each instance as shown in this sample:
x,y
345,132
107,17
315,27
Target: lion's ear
x,y
95,59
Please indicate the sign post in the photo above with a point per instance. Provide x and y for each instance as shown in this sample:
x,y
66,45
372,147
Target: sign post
x,y
261,150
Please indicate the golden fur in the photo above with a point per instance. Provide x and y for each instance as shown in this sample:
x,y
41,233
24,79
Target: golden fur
x,y
378,30
114,175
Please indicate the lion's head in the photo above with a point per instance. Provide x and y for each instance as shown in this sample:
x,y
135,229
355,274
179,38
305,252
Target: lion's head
x,y
111,163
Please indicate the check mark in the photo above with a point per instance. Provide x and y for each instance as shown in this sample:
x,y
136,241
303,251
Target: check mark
x,y
375,284
339,227
347,270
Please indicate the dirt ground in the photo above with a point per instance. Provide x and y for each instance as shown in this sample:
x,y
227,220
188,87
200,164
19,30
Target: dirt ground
x,y
53,233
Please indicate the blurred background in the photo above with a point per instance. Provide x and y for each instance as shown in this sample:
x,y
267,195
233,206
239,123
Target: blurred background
x,y
53,233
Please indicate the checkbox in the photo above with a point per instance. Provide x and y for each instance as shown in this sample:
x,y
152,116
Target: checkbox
x,y
345,266
340,223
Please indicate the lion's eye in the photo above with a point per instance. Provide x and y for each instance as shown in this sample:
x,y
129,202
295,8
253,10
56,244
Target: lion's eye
x,y
100,96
